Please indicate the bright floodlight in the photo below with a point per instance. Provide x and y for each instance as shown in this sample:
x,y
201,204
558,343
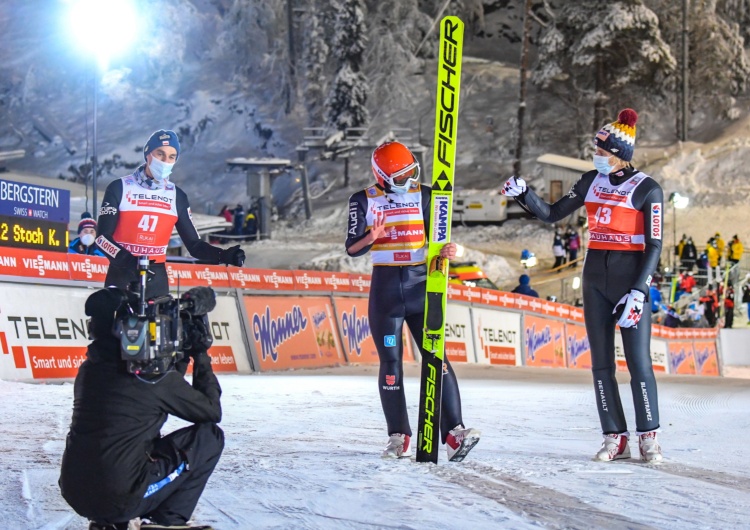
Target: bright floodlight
x,y
576,282
679,201
102,28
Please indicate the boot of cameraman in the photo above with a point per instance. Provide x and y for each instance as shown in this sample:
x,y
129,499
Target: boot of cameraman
x,y
117,466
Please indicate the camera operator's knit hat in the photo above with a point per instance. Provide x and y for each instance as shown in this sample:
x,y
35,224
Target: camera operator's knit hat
x,y
618,137
86,222
101,306
160,138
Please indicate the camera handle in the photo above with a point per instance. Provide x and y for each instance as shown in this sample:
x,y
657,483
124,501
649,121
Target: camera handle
x,y
142,272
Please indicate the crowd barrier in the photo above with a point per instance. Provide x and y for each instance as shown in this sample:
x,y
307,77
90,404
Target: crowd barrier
x,y
279,320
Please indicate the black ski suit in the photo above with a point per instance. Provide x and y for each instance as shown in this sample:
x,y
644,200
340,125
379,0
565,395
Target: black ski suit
x,y
607,276
397,294
114,451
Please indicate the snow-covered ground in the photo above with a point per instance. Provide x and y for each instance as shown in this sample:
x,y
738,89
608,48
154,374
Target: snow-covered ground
x,y
303,451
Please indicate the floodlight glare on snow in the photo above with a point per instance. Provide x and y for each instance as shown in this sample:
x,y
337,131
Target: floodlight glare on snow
x,y
102,28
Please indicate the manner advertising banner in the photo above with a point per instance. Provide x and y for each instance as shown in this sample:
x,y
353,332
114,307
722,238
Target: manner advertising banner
x,y
681,359
659,355
544,342
706,358
43,331
497,336
355,330
578,348
354,324
293,331
459,342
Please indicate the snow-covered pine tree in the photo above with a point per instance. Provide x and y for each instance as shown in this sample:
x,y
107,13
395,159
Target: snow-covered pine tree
x,y
314,62
347,98
595,48
718,64
395,29
737,12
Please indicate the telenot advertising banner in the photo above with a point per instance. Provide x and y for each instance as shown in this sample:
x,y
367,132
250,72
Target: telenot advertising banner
x,y
497,336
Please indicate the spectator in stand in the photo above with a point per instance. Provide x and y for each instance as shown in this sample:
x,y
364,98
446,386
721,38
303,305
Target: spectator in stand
x,y
688,282
228,216
735,250
574,244
746,296
702,263
672,320
710,304
720,244
238,220
680,245
84,243
558,250
688,255
523,287
251,225
654,294
729,306
713,255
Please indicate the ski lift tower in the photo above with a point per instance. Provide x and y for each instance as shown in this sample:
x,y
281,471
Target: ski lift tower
x,y
258,172
344,144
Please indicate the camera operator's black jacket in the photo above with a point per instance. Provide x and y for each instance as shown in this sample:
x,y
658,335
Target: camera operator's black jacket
x,y
116,420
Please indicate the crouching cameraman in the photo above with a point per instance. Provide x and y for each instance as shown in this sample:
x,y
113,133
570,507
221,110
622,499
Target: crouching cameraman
x,y
116,466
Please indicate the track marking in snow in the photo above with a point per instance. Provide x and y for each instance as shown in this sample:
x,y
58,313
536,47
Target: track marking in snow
x,y
717,478
533,501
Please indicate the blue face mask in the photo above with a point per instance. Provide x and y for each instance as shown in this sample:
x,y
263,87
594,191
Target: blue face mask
x,y
601,163
160,170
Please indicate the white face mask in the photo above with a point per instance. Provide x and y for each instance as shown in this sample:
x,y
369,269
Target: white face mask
x,y
87,239
160,170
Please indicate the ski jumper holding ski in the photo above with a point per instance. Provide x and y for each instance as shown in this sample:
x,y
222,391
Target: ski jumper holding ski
x,y
138,214
624,208
390,220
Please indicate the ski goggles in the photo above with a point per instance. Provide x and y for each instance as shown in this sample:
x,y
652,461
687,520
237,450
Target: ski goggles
x,y
406,175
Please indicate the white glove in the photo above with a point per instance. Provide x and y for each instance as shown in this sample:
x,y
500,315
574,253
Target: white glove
x,y
630,308
514,187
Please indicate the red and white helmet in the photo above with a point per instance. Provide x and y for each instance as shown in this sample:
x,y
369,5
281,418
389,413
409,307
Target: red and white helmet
x,y
395,167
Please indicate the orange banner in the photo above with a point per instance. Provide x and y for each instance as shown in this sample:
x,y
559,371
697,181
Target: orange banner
x,y
216,276
544,341
49,362
34,264
292,332
261,279
706,358
681,359
88,268
578,347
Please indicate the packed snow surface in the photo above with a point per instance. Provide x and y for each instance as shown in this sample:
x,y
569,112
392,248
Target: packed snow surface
x,y
303,451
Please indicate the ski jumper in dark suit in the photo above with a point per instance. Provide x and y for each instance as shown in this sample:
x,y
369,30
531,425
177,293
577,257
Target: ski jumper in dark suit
x,y
625,239
397,294
136,218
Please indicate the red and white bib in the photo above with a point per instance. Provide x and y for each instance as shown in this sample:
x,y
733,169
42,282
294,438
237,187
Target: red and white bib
x,y
147,218
405,244
614,223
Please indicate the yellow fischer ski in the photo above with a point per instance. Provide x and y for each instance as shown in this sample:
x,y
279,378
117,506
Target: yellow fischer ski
x,y
443,172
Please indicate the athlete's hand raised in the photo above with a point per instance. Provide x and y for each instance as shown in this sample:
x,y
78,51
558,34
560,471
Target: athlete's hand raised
x,y
379,229
514,187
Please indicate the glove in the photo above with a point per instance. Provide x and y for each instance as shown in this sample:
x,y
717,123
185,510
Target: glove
x,y
514,187
629,309
232,256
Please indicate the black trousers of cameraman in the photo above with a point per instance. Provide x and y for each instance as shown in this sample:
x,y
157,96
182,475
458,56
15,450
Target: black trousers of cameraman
x,y
157,282
200,446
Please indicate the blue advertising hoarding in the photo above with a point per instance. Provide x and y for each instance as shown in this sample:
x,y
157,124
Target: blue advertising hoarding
x,y
37,202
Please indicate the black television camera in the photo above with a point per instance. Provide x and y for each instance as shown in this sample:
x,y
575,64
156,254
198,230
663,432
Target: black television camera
x,y
156,333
